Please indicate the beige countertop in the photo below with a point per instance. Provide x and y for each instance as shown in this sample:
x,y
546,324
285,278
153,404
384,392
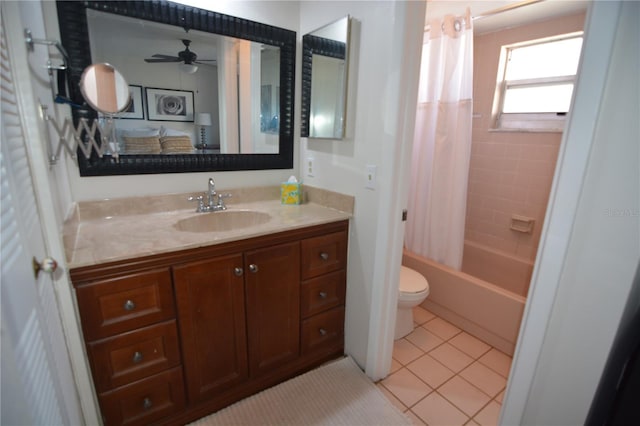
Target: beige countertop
x,y
117,230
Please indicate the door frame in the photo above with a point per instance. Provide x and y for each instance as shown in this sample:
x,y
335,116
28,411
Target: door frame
x,y
600,32
601,25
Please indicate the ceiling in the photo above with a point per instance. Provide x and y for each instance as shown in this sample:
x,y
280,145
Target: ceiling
x,y
528,12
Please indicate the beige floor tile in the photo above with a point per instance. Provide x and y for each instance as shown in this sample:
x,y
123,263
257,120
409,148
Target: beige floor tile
x,y
497,361
484,378
424,339
470,345
489,415
407,387
395,366
464,396
430,371
471,423
391,397
435,410
451,357
500,396
404,351
415,420
441,328
421,315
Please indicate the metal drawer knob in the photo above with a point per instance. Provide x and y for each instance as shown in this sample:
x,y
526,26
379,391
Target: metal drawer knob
x,y
253,268
322,332
324,256
129,305
146,403
137,357
238,272
323,295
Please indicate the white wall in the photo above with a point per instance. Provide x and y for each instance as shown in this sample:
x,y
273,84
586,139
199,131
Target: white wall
x,y
375,127
591,247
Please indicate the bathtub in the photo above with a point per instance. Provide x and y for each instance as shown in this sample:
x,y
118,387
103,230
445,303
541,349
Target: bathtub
x,y
508,272
483,309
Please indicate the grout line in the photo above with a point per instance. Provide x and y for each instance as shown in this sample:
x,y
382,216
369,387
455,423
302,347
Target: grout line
x,y
435,389
494,370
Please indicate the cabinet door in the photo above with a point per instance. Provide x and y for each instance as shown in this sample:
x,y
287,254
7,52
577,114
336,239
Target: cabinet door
x,y
273,306
211,317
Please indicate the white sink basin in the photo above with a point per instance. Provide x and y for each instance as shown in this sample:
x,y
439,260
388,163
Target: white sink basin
x,y
227,220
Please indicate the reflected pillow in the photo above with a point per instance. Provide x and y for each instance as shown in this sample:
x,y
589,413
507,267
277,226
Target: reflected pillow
x,y
176,145
140,132
142,145
172,132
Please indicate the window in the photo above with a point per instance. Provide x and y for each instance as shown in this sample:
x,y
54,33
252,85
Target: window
x,y
537,83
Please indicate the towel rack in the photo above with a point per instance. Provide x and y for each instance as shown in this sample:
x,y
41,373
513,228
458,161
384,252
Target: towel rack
x,y
95,136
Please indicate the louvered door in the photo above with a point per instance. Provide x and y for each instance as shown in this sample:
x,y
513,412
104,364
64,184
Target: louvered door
x,y
37,383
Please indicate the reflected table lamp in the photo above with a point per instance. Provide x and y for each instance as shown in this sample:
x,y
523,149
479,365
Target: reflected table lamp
x,y
203,120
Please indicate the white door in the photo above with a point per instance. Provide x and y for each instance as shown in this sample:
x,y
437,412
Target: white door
x,y
37,381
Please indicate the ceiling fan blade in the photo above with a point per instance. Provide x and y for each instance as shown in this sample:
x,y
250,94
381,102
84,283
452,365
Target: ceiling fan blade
x,y
160,56
162,60
207,62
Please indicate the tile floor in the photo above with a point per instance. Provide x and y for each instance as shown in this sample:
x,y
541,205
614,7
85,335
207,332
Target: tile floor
x,y
441,375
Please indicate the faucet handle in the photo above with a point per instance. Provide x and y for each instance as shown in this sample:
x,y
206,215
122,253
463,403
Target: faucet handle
x,y
221,198
200,200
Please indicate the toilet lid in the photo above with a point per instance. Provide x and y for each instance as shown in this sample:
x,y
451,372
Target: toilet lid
x,y
412,281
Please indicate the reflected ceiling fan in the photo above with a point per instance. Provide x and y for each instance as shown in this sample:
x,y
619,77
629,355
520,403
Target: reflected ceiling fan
x,y
186,56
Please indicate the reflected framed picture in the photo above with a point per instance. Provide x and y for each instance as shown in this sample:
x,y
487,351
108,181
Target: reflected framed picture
x,y
135,110
169,105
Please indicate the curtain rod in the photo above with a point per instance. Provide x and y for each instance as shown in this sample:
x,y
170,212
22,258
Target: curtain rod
x,y
506,8
497,11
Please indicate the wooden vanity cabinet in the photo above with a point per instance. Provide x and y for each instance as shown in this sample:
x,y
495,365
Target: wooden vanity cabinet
x,y
132,342
211,311
239,316
174,337
273,306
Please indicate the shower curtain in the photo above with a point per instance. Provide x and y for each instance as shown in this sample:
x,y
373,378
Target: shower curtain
x,y
442,143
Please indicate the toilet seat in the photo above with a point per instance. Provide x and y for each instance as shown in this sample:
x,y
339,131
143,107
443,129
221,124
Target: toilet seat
x,y
412,281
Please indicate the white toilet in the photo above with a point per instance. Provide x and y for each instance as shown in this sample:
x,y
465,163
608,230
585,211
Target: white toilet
x,y
414,288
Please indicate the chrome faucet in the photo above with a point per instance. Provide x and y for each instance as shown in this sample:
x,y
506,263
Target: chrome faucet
x,y
211,195
215,201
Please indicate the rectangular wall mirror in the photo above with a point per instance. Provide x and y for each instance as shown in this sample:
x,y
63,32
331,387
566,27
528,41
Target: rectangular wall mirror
x,y
239,89
325,64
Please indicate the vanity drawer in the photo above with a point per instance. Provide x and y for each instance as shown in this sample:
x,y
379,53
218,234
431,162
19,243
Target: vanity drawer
x,y
322,293
125,303
145,401
324,254
132,356
323,332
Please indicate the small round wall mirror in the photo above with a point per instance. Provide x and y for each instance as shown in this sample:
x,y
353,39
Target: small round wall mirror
x,y
105,89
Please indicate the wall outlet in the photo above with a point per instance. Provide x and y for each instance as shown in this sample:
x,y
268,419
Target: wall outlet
x,y
371,177
310,166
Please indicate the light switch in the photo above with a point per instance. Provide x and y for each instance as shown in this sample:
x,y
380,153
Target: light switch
x,y
371,176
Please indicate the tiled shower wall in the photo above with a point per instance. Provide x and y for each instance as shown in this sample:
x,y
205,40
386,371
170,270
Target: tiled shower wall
x,y
510,172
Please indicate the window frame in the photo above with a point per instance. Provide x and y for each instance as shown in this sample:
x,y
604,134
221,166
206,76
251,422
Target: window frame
x,y
529,121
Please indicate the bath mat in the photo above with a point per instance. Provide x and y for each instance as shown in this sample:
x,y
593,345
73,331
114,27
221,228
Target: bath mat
x,y
338,393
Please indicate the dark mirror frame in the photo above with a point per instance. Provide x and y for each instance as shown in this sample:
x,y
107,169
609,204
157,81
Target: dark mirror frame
x,y
320,46
74,34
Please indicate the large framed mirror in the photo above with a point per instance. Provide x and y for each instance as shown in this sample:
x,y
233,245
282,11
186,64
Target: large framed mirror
x,y
325,63
236,99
